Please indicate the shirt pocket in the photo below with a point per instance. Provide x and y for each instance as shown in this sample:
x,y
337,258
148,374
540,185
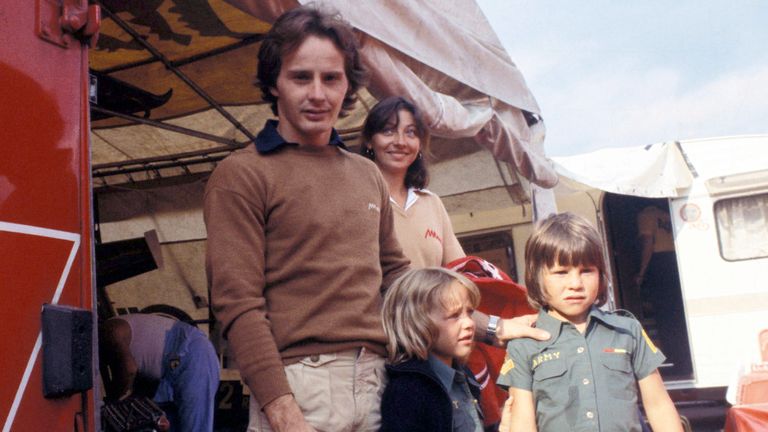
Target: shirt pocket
x,y
620,377
549,381
463,421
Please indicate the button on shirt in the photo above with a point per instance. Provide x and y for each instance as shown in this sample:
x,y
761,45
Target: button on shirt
x,y
465,416
583,382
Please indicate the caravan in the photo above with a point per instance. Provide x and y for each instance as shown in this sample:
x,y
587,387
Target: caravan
x,y
713,198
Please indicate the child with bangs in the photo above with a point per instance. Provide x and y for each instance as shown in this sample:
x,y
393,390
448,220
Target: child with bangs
x,y
427,317
586,377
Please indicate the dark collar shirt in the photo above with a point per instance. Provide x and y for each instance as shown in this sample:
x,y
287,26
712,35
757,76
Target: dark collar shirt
x,y
465,406
269,139
583,382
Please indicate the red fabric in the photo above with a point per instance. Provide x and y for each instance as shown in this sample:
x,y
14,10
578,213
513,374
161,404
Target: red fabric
x,y
500,296
747,418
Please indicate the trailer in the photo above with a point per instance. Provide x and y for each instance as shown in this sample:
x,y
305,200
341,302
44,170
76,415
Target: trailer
x,y
715,194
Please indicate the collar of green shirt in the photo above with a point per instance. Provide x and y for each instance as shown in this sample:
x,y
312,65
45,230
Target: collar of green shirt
x,y
554,326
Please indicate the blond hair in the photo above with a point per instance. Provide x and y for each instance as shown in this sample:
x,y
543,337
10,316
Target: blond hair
x,y
562,239
406,317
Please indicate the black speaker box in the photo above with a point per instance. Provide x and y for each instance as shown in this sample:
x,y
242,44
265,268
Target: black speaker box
x,y
67,350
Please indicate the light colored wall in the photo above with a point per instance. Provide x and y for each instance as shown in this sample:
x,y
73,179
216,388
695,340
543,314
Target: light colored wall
x,y
516,219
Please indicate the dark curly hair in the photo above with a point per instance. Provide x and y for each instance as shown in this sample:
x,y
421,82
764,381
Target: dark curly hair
x,y
384,114
289,31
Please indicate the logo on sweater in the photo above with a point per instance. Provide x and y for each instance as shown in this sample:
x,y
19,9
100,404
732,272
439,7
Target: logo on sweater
x,y
431,233
374,207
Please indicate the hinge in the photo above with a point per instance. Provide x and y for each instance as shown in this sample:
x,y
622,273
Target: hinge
x,y
61,21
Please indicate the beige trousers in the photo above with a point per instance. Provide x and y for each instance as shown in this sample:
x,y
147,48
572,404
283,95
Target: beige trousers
x,y
337,392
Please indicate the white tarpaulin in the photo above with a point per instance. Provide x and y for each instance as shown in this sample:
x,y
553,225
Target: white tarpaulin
x,y
657,170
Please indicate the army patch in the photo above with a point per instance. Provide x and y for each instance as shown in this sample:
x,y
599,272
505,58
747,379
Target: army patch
x,y
650,342
507,366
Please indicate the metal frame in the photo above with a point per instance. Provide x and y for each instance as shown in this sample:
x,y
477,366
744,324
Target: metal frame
x,y
172,67
179,160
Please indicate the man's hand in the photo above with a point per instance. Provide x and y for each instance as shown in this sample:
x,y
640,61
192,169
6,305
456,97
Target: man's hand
x,y
284,415
507,329
519,327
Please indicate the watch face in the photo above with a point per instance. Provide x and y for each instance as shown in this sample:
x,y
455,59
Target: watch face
x,y
493,322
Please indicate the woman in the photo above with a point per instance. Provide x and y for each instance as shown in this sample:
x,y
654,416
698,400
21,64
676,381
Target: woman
x,y
396,138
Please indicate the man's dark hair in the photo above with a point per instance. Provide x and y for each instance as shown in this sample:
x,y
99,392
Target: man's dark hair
x,y
289,31
384,114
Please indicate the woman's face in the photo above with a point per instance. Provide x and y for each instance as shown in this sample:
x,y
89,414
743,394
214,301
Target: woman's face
x,y
396,146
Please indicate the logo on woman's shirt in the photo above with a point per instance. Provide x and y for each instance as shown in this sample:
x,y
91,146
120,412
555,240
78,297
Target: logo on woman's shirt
x,y
431,233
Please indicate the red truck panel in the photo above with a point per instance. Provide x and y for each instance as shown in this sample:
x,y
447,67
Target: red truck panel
x,y
45,215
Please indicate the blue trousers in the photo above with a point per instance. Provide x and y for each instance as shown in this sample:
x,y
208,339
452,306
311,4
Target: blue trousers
x,y
190,379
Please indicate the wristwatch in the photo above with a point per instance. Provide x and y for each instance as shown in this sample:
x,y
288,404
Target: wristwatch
x,y
493,326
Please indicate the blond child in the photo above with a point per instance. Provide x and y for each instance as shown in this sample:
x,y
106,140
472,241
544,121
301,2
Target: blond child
x,y
427,317
587,376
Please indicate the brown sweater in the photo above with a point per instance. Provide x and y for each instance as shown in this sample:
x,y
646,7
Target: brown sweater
x,y
300,245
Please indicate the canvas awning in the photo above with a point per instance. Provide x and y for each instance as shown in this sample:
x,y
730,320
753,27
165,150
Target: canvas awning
x,y
667,170
443,55
657,170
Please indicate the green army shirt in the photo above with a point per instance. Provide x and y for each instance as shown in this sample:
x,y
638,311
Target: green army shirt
x,y
583,382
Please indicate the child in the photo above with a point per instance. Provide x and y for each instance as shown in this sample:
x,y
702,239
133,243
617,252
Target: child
x,y
427,317
585,377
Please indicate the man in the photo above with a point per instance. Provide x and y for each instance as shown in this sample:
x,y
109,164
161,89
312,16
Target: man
x,y
175,356
659,280
301,241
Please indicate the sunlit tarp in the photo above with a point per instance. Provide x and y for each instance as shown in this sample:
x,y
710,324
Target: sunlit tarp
x,y
446,58
443,55
657,170
667,169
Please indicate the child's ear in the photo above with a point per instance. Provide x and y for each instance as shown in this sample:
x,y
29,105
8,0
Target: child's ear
x,y
602,290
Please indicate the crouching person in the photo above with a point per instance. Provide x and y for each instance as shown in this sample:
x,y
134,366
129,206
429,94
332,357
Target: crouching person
x,y
175,356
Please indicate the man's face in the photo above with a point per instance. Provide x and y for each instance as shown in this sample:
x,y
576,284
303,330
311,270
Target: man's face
x,y
310,90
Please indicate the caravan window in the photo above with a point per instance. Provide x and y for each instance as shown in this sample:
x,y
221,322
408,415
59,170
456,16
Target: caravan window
x,y
495,248
741,227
